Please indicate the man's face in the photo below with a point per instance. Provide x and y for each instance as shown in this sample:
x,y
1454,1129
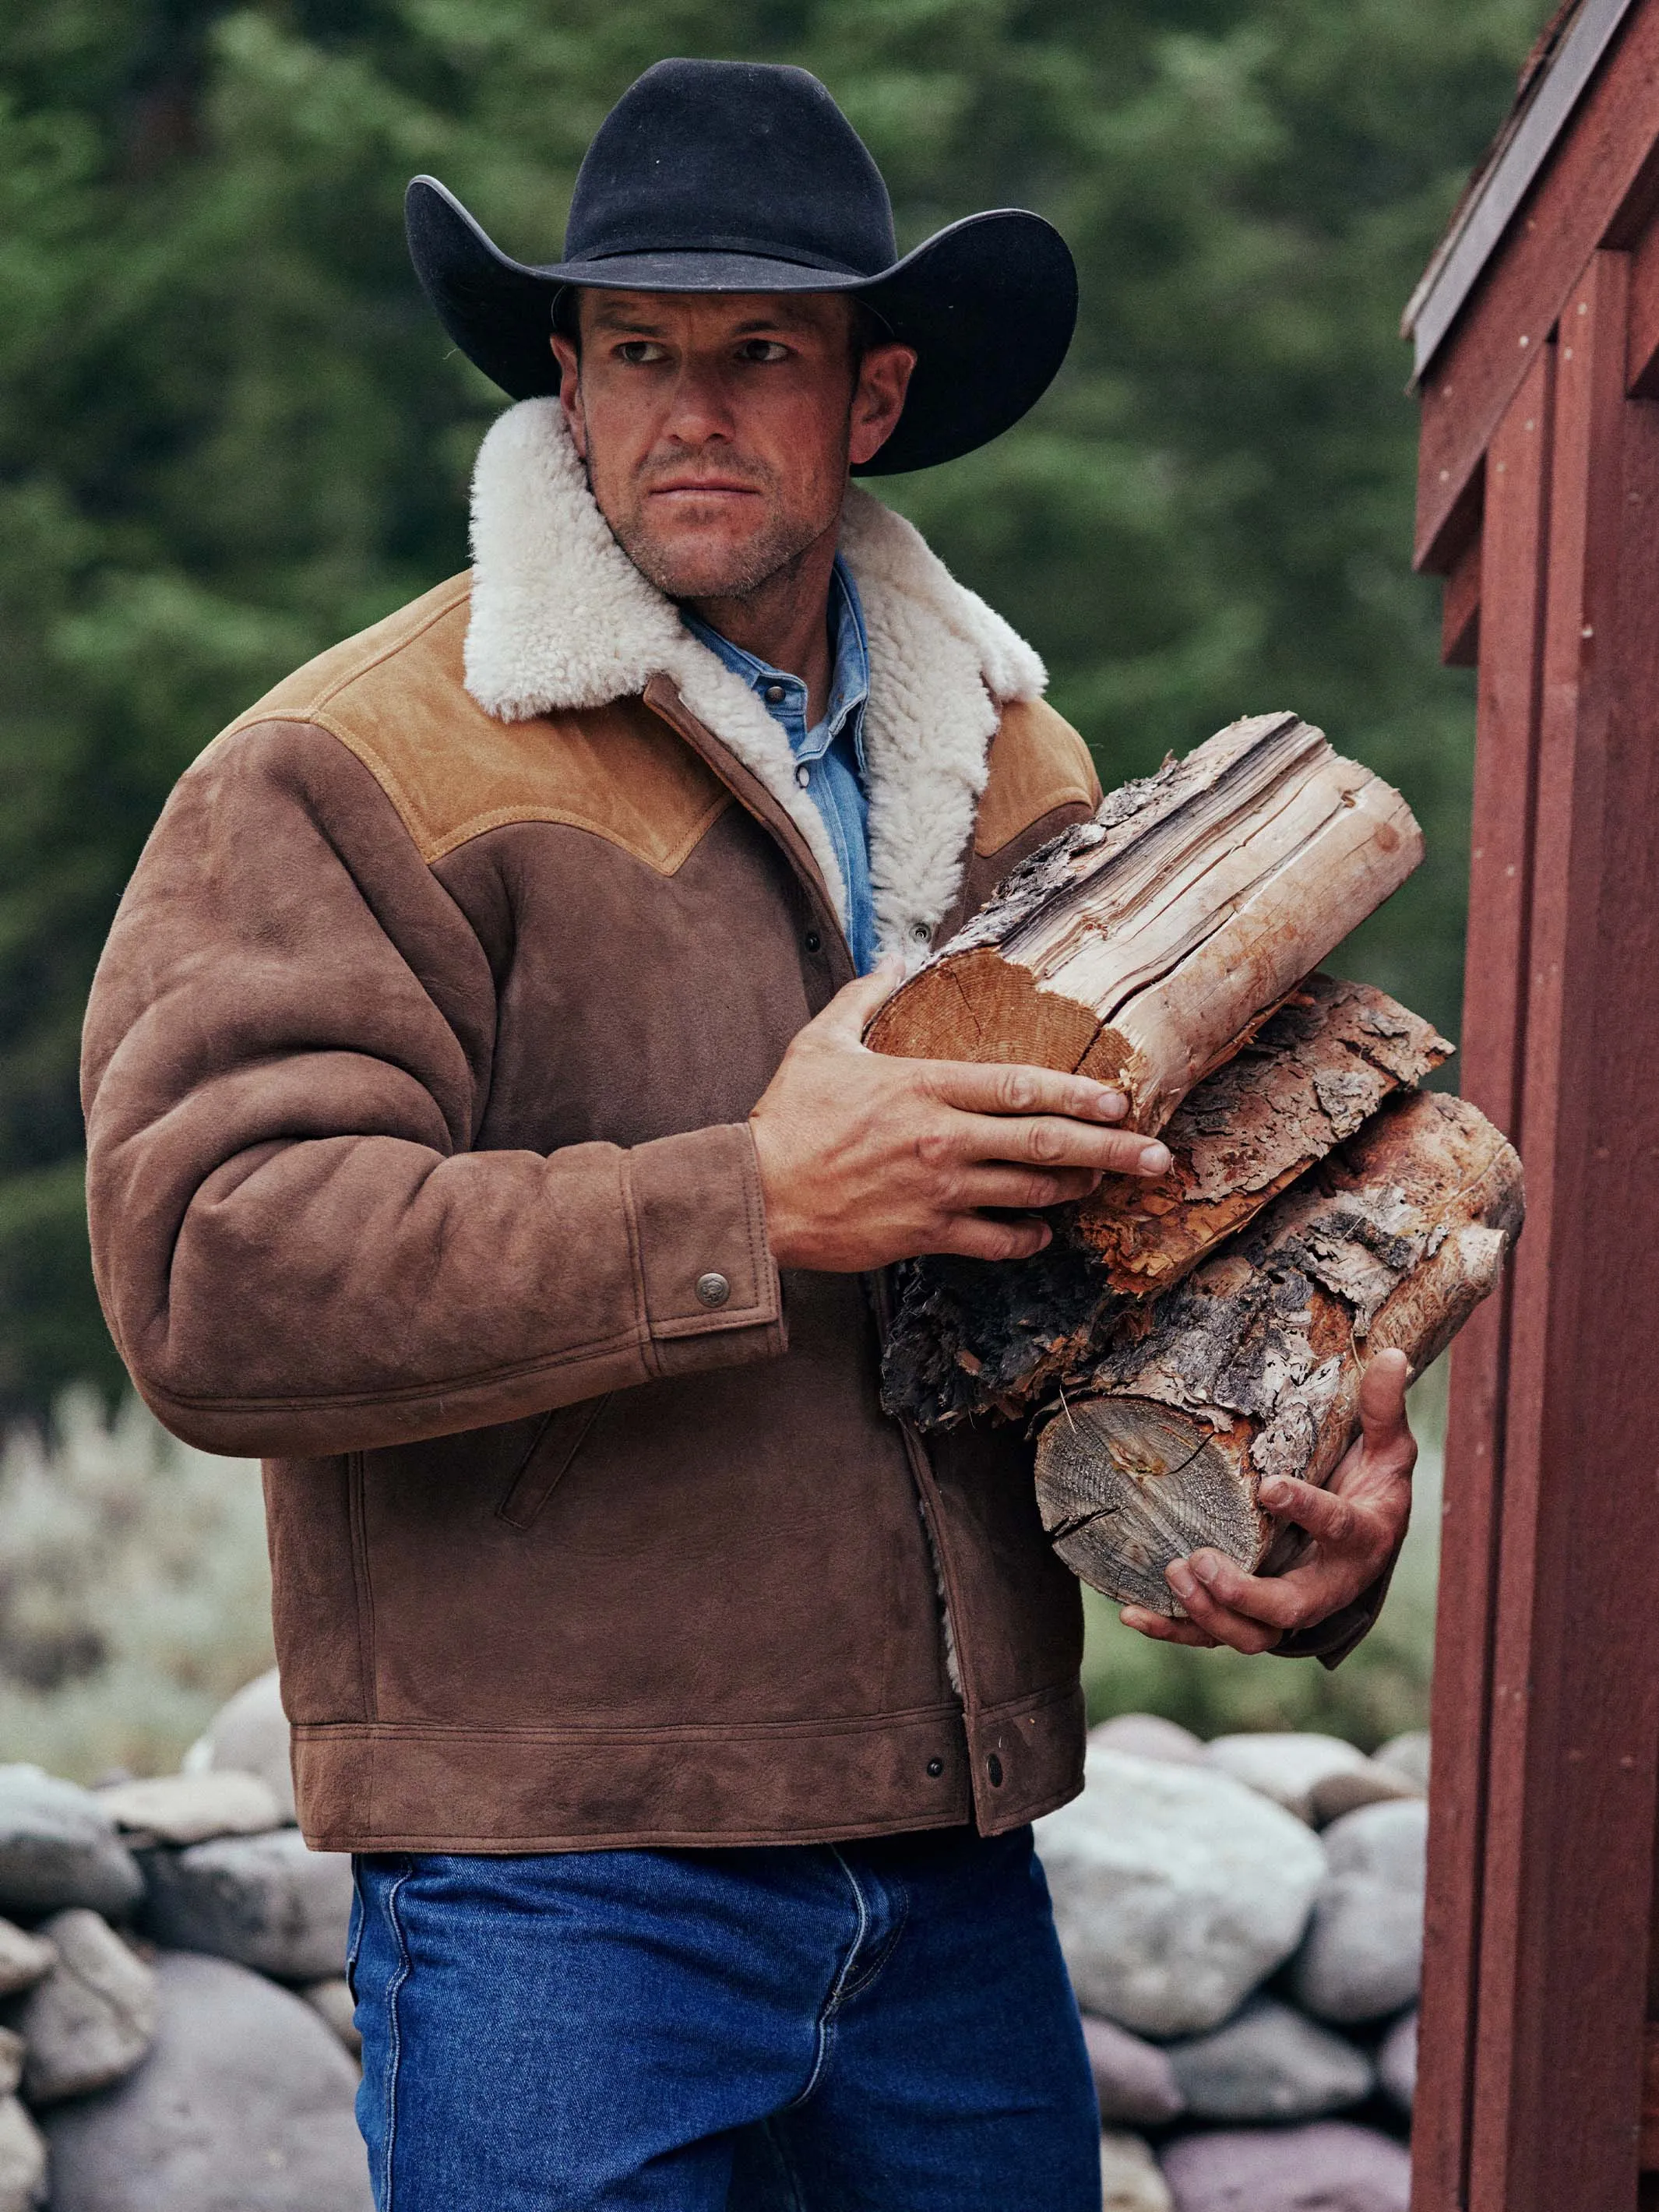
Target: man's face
x,y
718,428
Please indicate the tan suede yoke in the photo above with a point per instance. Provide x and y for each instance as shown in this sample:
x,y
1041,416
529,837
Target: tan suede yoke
x,y
394,695
1038,762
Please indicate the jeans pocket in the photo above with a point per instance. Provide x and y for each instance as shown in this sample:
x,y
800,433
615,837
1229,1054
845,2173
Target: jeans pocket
x,y
548,1461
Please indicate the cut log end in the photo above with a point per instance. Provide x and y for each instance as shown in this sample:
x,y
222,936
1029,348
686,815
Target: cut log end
x,y
1127,1486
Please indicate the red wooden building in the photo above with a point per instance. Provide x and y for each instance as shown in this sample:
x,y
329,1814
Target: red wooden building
x,y
1537,336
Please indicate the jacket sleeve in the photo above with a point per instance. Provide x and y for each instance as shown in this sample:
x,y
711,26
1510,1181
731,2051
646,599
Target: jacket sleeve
x,y
287,1052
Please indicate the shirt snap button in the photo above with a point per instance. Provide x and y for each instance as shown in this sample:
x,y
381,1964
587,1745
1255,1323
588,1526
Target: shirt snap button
x,y
920,934
993,1770
936,1767
803,776
774,694
713,1290
814,941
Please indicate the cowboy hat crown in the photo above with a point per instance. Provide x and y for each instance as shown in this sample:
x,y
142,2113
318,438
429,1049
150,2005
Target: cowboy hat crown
x,y
746,177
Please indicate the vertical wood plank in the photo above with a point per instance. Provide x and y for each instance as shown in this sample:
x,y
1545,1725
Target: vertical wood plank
x,y
1574,1711
1513,544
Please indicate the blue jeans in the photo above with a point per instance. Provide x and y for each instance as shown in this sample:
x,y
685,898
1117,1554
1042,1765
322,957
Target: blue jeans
x,y
812,2027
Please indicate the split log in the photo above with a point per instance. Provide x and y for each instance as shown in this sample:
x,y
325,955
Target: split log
x,y
969,1337
1145,946
1252,1366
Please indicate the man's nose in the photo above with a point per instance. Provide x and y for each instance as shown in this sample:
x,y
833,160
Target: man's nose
x,y
699,408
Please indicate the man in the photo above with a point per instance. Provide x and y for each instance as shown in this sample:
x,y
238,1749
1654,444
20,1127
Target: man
x,y
480,1130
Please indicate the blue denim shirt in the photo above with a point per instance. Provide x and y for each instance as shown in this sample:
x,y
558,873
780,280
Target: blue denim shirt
x,y
830,756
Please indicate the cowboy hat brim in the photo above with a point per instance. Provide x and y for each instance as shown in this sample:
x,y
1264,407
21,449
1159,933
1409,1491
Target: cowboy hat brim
x,y
988,303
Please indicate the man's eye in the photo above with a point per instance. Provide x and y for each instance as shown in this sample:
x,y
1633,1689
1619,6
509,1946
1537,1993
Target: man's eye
x,y
763,349
638,352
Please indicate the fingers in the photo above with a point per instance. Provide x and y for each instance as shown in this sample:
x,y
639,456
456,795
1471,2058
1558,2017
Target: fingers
x,y
856,1005
1051,1141
1019,1190
1163,1629
1208,1602
976,1087
982,1236
1332,1519
1382,1422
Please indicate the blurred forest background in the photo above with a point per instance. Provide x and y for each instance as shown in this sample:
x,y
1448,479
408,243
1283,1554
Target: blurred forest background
x,y
231,433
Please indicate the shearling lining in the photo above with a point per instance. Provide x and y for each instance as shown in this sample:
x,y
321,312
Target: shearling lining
x,y
562,618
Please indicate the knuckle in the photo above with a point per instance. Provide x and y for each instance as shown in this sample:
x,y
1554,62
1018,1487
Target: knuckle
x,y
933,1149
1047,1142
1017,1090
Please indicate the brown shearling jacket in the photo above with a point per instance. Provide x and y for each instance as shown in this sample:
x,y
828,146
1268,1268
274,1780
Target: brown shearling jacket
x,y
417,1073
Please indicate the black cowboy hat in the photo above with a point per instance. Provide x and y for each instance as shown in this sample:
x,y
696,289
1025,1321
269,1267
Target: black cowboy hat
x,y
746,177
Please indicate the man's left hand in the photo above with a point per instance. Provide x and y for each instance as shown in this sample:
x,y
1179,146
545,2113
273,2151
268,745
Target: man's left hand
x,y
1357,1522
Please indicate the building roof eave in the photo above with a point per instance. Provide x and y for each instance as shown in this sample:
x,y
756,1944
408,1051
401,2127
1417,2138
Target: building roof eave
x,y
1558,73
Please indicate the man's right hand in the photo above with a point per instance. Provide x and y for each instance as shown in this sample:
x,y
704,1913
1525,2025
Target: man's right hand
x,y
866,1159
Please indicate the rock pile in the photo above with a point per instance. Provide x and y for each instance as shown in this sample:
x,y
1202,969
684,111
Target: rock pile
x,y
174,2027
1243,1924
1242,1921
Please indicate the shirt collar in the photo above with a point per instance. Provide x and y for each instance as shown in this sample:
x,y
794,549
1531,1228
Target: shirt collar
x,y
849,676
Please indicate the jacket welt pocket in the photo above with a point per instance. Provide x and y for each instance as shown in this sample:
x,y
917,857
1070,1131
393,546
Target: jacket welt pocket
x,y
550,1459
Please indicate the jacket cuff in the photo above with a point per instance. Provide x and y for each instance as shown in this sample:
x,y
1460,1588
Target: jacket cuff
x,y
708,1279
1330,1641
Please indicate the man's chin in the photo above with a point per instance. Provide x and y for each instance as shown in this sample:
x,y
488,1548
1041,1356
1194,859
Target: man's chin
x,y
703,564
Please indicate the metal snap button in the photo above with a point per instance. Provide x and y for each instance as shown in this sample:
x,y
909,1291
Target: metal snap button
x,y
813,942
920,934
713,1289
803,776
936,1767
993,1770
774,694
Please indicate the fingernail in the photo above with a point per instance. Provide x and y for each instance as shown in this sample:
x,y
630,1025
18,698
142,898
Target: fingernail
x,y
1154,1158
1275,1492
1178,1576
1111,1105
1204,1565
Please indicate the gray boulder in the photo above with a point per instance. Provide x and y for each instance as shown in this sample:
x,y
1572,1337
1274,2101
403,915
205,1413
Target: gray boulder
x,y
1371,1783
245,2105
265,1901
93,2016
1287,1766
1129,2178
250,1733
23,1959
1177,1890
189,1808
1329,2166
1407,1756
58,1847
22,2160
1270,2063
1147,1735
1133,2081
1396,2063
332,2001
1363,1958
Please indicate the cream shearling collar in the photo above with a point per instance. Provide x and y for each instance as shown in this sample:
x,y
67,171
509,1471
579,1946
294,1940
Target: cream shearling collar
x,y
561,618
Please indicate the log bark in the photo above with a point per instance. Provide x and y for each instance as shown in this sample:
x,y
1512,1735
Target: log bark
x,y
970,1337
1144,947
1252,1366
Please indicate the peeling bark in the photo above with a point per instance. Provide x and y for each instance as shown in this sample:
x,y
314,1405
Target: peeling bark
x,y
1252,1366
1145,947
969,1337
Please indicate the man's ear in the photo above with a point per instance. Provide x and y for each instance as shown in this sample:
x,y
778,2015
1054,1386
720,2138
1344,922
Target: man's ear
x,y
570,391
879,399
